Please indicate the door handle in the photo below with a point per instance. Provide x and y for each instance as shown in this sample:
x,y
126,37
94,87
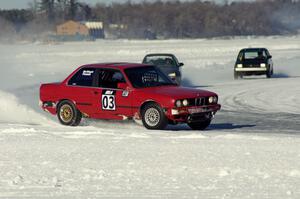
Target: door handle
x,y
95,92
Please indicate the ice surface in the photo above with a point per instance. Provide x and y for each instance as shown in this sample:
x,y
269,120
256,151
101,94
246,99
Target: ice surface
x,y
251,150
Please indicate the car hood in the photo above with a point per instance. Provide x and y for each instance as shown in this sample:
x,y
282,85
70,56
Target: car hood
x,y
253,61
178,92
167,67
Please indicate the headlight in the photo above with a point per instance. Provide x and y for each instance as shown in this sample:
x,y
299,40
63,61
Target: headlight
x,y
262,65
178,103
239,65
172,75
215,99
185,102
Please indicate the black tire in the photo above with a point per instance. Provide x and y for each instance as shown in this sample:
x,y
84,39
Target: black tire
x,y
153,116
235,75
199,125
268,74
68,114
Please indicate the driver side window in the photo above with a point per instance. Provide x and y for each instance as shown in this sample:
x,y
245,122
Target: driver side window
x,y
264,54
109,78
240,56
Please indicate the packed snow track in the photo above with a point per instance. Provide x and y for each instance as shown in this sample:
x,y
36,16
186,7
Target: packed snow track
x,y
251,150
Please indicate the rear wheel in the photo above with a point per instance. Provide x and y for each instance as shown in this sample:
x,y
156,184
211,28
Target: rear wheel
x,y
153,117
68,114
199,125
268,74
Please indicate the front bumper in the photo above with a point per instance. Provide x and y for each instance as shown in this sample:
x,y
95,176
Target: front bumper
x,y
192,113
251,69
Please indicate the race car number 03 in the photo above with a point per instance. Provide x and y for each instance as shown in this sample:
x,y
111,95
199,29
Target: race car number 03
x,y
108,102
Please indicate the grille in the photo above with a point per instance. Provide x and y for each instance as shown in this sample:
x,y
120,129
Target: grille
x,y
251,65
201,101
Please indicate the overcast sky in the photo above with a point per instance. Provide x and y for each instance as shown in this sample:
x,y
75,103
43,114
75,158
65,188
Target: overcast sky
x,y
8,4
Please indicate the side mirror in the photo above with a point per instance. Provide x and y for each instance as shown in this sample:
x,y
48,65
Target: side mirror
x,y
270,56
181,64
122,85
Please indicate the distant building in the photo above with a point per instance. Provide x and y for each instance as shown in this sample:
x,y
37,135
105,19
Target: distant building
x,y
73,30
95,28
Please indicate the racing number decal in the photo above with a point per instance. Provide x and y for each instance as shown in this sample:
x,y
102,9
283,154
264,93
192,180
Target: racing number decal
x,y
108,100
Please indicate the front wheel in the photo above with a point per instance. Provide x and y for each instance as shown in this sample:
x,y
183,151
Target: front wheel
x,y
153,117
268,74
235,75
199,125
68,114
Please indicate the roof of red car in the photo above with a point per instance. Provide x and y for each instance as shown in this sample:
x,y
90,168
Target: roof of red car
x,y
115,65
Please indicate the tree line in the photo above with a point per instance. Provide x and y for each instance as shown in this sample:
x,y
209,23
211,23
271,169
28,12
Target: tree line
x,y
164,19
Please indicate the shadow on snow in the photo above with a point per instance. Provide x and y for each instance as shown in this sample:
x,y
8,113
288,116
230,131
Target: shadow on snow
x,y
215,126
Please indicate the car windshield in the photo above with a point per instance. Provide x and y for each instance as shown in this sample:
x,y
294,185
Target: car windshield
x,y
148,76
255,54
160,60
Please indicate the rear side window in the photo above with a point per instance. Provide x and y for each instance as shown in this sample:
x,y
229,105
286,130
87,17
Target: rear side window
x,y
84,77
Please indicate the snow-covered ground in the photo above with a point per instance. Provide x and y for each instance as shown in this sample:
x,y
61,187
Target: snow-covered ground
x,y
251,150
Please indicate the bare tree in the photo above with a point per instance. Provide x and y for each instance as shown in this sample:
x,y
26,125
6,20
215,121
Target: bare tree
x,y
47,6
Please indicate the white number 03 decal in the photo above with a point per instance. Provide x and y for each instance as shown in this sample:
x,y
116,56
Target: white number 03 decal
x,y
108,102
